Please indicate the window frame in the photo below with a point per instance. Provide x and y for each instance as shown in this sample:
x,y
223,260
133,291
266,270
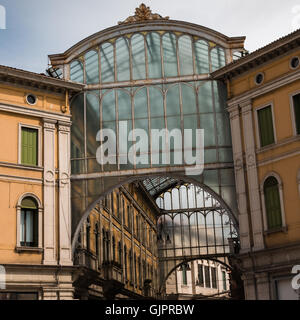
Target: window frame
x,y
39,144
257,128
292,108
267,230
40,224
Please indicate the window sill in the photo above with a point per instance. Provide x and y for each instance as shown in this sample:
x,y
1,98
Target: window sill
x,y
21,166
267,148
29,249
278,144
277,230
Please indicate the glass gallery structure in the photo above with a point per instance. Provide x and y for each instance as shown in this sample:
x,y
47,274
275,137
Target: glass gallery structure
x,y
155,73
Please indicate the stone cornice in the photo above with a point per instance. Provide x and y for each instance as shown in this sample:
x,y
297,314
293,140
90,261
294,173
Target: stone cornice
x,y
260,56
28,111
38,81
258,91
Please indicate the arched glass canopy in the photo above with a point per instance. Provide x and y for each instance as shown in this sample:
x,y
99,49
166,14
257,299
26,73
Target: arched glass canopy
x,y
148,55
152,76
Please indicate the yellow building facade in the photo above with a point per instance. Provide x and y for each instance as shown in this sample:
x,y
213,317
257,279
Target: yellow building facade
x,y
35,246
263,102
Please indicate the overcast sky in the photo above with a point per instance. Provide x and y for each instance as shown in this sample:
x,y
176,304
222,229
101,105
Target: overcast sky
x,y
36,28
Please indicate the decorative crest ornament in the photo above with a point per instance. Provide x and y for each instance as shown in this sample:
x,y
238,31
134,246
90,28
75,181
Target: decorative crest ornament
x,y
143,13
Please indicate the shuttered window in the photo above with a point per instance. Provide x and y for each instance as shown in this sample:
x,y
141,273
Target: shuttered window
x,y
296,100
272,203
29,147
265,123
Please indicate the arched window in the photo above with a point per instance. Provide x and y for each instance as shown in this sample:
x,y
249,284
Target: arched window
x,y
125,263
120,253
29,223
272,203
131,265
97,239
114,248
88,234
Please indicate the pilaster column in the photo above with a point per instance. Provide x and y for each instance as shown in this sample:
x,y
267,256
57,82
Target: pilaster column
x,y
239,170
64,160
263,286
253,185
50,255
249,286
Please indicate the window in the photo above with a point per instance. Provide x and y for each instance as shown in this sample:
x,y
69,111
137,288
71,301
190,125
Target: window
x,y
272,203
265,124
296,104
294,62
112,203
207,277
214,278
125,263
259,78
224,280
114,248
131,265
118,205
200,275
87,234
129,218
184,275
135,271
29,223
29,146
97,239
140,272
120,252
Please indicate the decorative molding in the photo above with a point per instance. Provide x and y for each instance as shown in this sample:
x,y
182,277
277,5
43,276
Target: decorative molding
x,y
260,56
34,112
64,128
143,13
20,166
31,79
265,88
49,123
49,176
20,179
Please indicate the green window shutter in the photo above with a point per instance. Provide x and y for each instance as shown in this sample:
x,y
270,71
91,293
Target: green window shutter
x,y
29,146
296,100
272,202
265,122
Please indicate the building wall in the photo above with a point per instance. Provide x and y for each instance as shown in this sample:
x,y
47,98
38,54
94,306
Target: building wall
x,y
273,253
110,218
193,288
35,269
